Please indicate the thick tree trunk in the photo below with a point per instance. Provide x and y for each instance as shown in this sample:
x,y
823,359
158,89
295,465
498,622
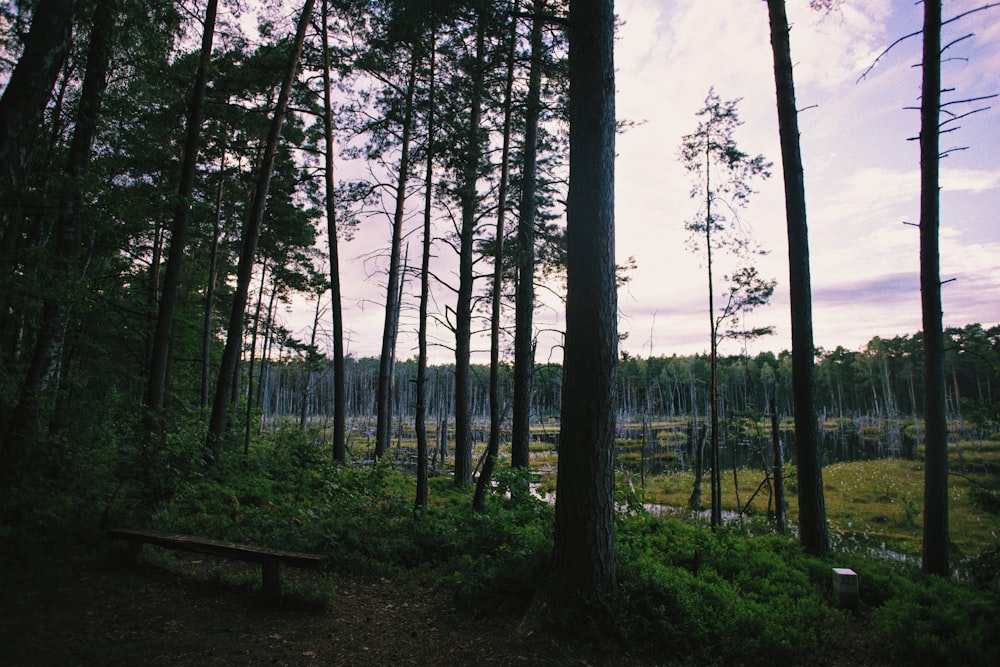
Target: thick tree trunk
x,y
935,548
160,354
336,310
524,350
463,308
584,553
812,506
251,235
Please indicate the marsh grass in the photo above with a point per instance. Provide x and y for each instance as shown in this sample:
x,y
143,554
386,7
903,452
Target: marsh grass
x,y
882,501
873,504
876,503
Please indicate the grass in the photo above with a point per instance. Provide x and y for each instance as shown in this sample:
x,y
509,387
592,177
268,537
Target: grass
x,y
870,504
876,503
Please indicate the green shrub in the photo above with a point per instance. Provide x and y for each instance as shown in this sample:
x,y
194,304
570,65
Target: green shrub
x,y
934,622
985,499
740,594
983,569
717,598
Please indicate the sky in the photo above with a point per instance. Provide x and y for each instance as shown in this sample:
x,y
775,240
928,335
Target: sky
x,y
862,174
861,169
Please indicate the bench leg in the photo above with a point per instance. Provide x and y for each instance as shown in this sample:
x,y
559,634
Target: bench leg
x,y
271,571
132,553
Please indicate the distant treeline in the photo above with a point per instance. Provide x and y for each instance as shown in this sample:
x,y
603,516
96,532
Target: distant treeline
x,y
885,379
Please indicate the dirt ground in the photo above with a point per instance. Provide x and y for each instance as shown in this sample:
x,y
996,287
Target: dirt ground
x,y
86,610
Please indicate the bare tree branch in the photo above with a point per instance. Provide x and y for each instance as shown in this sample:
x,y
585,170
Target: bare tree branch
x,y
988,5
955,41
885,52
902,39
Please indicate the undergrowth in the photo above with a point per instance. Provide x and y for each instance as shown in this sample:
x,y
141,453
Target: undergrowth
x,y
742,594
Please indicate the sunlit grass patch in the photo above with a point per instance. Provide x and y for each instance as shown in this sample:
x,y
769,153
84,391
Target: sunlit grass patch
x,y
881,501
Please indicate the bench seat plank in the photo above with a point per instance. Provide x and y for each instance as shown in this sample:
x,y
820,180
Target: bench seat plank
x,y
270,560
220,548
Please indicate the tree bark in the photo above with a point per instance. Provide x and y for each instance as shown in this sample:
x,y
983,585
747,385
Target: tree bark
x,y
524,352
67,264
463,307
420,422
308,372
935,546
213,272
584,553
777,468
383,426
715,469
493,445
251,235
694,501
252,397
160,354
812,506
336,310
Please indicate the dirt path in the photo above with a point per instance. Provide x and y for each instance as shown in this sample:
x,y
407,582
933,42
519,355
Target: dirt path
x,y
86,611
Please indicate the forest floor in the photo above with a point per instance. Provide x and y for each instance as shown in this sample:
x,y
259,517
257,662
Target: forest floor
x,y
85,610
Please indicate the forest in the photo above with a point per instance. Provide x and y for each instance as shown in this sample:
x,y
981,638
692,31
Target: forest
x,y
173,175
884,381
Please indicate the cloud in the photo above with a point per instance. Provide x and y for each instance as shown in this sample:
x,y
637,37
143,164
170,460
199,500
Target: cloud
x,y
831,50
969,180
862,175
879,290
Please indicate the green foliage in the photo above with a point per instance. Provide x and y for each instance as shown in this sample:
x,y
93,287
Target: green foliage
x,y
985,499
982,413
71,486
742,594
983,569
497,559
285,497
933,622
718,598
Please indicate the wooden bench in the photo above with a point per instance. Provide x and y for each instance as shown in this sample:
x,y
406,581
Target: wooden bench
x,y
270,560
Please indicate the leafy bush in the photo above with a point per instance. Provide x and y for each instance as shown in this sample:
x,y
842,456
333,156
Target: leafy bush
x,y
985,499
717,598
741,594
73,485
983,569
500,558
934,622
363,517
